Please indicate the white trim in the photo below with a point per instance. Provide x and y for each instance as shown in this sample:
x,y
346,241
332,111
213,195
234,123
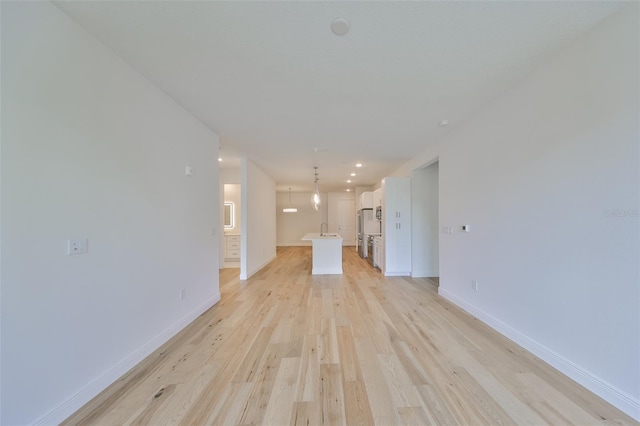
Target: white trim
x,y
606,391
344,244
73,404
424,273
397,273
271,259
326,271
309,244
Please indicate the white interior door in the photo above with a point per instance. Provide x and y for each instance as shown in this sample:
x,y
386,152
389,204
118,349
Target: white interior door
x,y
347,221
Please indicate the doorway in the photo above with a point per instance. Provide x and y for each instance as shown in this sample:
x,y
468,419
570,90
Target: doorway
x,y
232,224
425,252
347,221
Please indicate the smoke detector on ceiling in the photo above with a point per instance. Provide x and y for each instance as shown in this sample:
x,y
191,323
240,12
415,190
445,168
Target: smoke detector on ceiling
x,y
340,26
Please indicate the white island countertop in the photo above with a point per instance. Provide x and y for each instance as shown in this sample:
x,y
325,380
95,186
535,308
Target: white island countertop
x,y
318,236
326,253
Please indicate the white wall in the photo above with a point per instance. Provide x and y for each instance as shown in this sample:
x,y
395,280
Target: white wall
x,y
90,149
258,240
291,227
230,175
537,174
424,222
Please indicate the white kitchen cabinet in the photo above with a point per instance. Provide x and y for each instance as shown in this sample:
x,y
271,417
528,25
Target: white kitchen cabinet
x,y
232,247
377,198
378,249
366,200
396,226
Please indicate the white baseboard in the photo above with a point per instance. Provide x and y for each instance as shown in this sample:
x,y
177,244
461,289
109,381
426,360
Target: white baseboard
x,y
250,273
606,391
425,273
326,271
397,273
308,244
73,404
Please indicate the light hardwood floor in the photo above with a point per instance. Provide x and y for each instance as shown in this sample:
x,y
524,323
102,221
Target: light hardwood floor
x,y
286,347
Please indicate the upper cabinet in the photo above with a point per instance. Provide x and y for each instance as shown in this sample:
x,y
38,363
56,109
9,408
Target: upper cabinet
x,y
366,200
377,198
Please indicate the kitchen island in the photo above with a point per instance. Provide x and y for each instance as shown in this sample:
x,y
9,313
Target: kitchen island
x,y
326,253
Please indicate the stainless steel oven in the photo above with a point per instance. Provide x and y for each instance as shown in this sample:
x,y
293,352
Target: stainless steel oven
x,y
370,258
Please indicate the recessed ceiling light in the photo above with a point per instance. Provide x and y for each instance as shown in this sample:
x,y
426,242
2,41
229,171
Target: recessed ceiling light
x,y
219,158
353,174
348,190
358,164
443,123
349,181
340,26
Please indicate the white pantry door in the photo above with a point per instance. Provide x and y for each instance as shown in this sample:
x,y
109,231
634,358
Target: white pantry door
x,y
347,221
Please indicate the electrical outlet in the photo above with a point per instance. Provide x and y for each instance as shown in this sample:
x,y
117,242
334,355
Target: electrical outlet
x,y
474,285
183,294
79,246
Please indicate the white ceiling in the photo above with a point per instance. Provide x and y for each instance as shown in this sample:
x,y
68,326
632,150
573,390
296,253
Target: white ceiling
x,y
274,82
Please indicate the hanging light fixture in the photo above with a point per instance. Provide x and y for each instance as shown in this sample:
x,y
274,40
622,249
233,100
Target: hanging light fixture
x,y
290,209
315,198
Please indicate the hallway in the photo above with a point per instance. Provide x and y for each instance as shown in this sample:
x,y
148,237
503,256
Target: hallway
x,y
286,347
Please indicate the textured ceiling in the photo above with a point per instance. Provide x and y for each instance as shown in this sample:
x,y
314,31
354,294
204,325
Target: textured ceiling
x,y
274,82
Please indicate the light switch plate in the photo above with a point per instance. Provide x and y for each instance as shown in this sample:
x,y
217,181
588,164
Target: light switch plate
x,y
77,246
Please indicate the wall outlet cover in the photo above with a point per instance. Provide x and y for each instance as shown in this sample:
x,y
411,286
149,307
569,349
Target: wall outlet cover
x,y
77,246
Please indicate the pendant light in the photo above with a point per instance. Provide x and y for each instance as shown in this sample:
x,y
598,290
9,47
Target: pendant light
x,y
290,209
315,198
